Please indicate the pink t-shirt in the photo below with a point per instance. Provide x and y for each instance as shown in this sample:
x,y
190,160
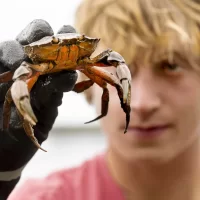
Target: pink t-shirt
x,y
90,181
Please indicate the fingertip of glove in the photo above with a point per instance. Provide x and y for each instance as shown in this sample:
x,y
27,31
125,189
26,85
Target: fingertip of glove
x,y
66,29
11,54
34,31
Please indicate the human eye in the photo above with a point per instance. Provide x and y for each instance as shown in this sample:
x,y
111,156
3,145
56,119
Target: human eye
x,y
170,68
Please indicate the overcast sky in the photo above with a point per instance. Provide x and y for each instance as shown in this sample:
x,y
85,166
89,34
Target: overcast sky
x,y
16,14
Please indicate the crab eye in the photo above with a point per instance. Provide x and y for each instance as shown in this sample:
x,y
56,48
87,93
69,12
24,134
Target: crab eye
x,y
55,40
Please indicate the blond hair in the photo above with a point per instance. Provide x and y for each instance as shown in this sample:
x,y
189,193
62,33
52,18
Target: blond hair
x,y
127,25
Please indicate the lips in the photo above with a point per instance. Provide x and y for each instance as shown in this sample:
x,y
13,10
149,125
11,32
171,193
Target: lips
x,y
151,130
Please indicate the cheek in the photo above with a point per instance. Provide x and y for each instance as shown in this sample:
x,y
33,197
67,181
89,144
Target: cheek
x,y
183,101
189,110
184,107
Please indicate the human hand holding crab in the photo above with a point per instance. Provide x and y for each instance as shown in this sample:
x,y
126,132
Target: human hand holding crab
x,y
46,93
65,52
16,149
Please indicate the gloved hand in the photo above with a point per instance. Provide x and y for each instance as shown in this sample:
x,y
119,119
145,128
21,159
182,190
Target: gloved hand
x,y
46,96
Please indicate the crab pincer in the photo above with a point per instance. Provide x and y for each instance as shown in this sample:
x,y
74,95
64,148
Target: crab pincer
x,y
122,80
19,93
125,80
124,76
21,98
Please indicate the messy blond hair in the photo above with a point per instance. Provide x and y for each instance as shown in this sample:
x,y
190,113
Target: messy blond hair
x,y
127,25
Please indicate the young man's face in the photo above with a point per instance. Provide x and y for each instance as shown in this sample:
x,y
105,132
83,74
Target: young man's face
x,y
165,112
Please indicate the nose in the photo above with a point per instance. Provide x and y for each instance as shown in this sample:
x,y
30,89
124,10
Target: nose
x,y
145,100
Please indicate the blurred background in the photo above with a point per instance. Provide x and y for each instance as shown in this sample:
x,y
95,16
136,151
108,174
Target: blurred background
x,y
71,141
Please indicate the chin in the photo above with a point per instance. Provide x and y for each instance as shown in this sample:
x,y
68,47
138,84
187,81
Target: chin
x,y
150,155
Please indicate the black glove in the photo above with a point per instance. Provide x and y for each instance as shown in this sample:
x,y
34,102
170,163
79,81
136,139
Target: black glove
x,y
46,96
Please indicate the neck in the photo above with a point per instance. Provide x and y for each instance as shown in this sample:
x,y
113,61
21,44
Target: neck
x,y
176,179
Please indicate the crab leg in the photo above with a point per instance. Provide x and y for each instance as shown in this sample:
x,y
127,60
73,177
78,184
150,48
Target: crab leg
x,y
104,103
102,77
22,73
9,100
29,131
19,93
123,80
83,85
6,118
110,58
25,77
21,98
6,76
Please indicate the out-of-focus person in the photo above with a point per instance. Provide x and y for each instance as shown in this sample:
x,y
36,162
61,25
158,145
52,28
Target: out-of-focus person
x,y
158,157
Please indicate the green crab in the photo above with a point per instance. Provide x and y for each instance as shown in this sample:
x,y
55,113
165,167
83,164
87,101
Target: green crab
x,y
68,51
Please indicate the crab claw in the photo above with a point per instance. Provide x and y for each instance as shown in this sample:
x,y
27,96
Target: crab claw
x,y
124,75
21,98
